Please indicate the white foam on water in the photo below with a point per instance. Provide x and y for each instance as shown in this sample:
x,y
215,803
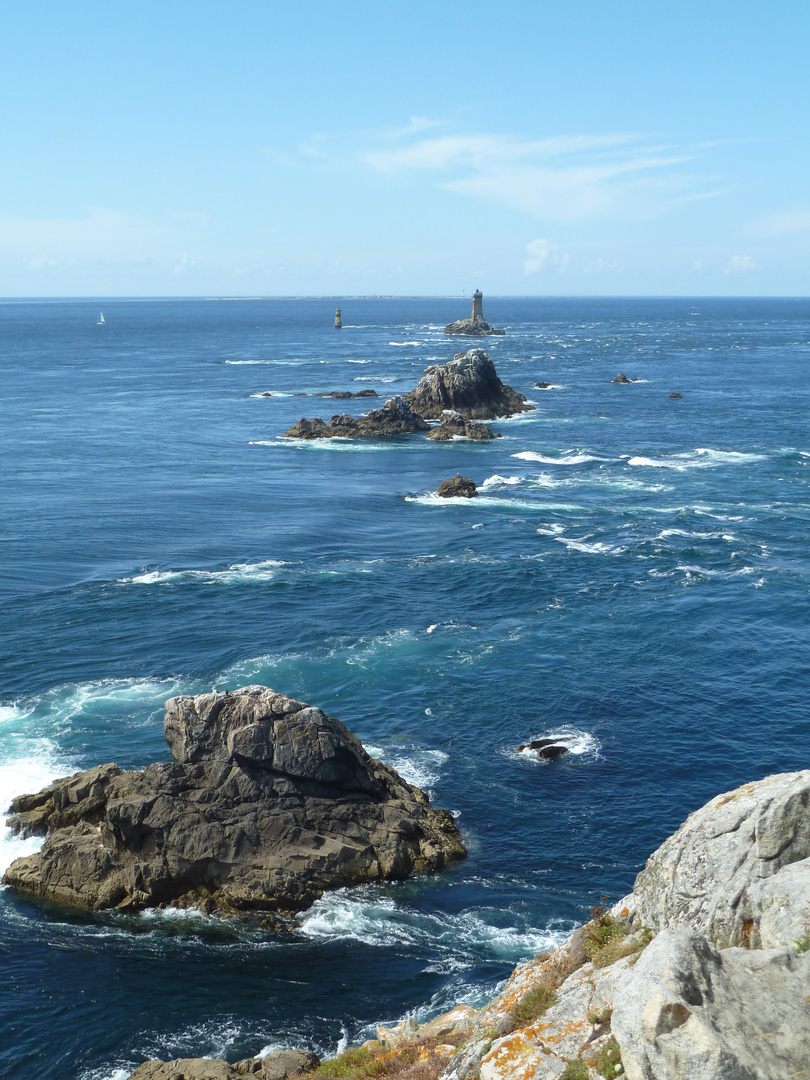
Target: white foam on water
x,y
500,481
453,940
551,530
331,443
403,343
375,378
416,765
701,458
238,573
432,499
272,394
28,766
567,457
598,547
579,743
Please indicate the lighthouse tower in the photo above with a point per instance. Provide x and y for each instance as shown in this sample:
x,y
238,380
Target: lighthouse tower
x,y
477,311
338,323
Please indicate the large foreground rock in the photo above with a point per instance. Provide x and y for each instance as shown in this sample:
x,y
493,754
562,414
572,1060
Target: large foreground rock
x,y
738,869
267,803
691,1010
468,385
394,418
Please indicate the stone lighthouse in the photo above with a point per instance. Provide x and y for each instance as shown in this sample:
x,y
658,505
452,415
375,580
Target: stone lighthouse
x,y
338,323
476,325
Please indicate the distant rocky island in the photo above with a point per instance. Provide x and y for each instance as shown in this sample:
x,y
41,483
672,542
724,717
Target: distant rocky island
x,y
459,393
475,325
267,803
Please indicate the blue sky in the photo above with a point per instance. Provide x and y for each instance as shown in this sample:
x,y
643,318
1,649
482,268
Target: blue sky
x,y
578,148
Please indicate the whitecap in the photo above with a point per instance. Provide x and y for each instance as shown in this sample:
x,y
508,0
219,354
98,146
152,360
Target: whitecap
x,y
568,457
500,481
35,768
238,573
599,547
551,530
419,766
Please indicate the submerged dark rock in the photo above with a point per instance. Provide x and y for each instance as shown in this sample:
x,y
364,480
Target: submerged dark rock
x,y
457,486
545,748
468,384
474,326
622,378
348,394
394,418
675,396
267,803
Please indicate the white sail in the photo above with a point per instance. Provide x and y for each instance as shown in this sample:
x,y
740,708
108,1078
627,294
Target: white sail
x,y
101,319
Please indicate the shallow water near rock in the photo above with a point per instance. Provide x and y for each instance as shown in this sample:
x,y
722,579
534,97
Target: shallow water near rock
x,y
634,575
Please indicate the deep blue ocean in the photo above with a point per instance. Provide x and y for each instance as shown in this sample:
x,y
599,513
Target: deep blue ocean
x,y
635,574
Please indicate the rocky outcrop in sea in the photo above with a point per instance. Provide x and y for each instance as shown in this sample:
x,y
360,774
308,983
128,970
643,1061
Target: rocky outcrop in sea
x,y
394,418
458,394
469,385
475,325
267,803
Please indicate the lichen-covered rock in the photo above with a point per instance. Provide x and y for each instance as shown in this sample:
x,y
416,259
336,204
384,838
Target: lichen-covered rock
x,y
267,803
468,384
395,417
709,874
689,1009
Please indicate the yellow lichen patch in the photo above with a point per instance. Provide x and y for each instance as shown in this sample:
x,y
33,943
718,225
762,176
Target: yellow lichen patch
x,y
513,1057
738,793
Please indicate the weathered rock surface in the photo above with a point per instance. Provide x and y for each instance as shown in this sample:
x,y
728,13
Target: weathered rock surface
x,y
675,396
453,424
277,1065
468,385
457,487
622,378
689,1009
267,803
394,418
711,874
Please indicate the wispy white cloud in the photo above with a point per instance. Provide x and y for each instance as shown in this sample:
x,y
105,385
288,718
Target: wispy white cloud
x,y
544,255
564,178
787,223
740,264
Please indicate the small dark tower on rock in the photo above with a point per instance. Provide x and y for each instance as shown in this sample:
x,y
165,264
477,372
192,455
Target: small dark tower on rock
x,y
338,323
476,325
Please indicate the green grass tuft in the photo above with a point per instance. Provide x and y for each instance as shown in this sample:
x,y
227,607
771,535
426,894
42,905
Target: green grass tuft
x,y
532,1006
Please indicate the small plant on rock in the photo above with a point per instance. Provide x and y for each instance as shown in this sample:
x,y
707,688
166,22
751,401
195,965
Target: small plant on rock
x,y
575,1070
608,1061
532,1006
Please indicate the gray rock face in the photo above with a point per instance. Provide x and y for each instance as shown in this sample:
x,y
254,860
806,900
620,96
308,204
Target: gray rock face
x,y
277,1065
456,487
394,418
690,1010
267,803
453,423
468,385
711,873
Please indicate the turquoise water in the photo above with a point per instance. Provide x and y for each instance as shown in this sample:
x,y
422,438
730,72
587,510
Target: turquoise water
x,y
634,575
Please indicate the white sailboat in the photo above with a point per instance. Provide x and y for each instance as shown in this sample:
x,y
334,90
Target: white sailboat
x,y
101,319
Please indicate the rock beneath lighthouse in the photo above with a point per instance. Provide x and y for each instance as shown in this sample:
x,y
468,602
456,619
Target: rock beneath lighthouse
x,y
475,325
